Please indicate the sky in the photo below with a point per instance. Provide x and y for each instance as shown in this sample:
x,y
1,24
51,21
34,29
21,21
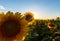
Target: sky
x,y
42,9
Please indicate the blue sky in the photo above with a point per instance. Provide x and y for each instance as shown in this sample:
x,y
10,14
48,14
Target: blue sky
x,y
41,8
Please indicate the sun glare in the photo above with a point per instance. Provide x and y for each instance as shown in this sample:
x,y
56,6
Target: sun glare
x,y
36,17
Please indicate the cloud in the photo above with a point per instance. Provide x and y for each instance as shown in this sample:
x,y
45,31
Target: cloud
x,y
2,7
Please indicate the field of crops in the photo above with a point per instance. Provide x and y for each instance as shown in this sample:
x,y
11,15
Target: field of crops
x,y
15,26
44,30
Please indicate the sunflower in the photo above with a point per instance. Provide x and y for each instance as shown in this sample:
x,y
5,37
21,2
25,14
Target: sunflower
x,y
13,27
52,26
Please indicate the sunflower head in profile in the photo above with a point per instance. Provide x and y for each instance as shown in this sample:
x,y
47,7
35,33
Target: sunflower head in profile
x,y
52,26
13,27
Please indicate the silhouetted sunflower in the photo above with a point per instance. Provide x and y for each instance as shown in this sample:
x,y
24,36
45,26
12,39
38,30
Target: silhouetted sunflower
x,y
13,27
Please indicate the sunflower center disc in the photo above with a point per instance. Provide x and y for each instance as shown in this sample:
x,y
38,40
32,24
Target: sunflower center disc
x,y
28,17
11,29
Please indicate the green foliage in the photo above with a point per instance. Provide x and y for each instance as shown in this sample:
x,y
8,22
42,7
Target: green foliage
x,y
39,31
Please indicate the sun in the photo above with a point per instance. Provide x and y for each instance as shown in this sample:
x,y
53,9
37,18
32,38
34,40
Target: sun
x,y
36,17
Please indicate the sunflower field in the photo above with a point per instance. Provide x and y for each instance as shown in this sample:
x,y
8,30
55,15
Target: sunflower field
x,y
18,27
44,30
